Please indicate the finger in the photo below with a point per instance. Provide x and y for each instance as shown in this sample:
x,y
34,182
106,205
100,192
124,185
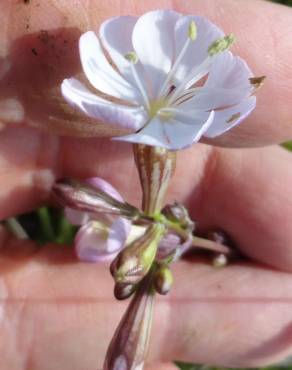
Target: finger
x,y
30,161
39,48
53,308
245,192
248,194
166,366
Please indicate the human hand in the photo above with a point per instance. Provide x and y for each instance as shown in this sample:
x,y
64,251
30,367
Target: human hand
x,y
58,313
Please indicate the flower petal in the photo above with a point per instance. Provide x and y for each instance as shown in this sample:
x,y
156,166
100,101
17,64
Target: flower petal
x,y
168,245
227,118
173,134
187,129
100,73
116,37
110,113
151,134
227,84
118,234
153,41
228,72
197,50
96,242
213,98
91,242
105,186
76,217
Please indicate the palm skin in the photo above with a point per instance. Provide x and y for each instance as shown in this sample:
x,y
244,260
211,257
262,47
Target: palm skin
x,y
57,313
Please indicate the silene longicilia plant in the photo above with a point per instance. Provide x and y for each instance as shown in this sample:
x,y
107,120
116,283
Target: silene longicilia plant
x,y
167,80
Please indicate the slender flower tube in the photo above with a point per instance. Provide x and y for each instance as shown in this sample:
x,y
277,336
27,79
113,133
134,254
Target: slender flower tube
x,y
129,345
156,167
166,78
89,197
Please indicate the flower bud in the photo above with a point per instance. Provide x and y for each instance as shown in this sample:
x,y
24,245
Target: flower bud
x,y
123,291
134,261
129,345
177,213
220,260
88,198
163,280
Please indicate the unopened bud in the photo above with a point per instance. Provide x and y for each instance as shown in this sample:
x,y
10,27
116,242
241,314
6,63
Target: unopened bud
x,y
86,197
124,291
178,213
220,45
134,261
163,280
220,260
130,342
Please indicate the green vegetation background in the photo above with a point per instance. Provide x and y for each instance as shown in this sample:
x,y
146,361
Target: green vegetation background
x,y
49,225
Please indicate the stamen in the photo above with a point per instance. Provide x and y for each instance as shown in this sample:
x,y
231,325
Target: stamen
x,y
190,93
132,58
195,75
165,114
192,31
200,71
192,35
221,45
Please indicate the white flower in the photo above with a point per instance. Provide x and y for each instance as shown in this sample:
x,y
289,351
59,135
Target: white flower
x,y
167,77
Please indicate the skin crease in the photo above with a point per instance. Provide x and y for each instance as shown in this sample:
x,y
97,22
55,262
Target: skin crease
x,y
56,313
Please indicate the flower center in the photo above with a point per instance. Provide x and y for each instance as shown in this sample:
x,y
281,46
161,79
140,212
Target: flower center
x,y
156,105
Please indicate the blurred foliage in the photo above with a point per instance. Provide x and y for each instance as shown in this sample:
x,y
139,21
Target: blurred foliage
x,y
182,366
48,225
284,2
288,145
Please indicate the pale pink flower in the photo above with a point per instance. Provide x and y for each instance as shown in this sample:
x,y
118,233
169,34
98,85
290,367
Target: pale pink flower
x,y
101,236
167,77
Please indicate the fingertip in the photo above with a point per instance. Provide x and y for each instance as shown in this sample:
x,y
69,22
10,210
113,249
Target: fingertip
x,y
162,366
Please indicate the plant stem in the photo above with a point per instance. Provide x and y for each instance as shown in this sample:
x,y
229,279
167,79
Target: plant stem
x,y
16,228
46,224
156,167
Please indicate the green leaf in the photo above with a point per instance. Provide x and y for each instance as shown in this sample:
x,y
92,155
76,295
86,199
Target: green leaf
x,y
288,145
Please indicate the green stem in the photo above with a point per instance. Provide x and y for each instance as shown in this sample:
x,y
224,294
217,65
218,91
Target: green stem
x,y
16,228
46,224
196,241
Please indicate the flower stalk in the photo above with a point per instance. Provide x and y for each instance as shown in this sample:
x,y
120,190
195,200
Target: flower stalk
x,y
156,167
